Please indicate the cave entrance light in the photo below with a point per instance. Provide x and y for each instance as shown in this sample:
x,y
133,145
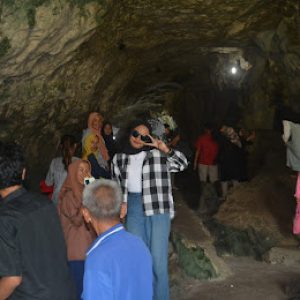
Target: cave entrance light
x,y
233,70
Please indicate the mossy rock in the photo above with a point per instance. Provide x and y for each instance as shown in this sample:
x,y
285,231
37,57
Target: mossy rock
x,y
192,259
31,12
239,242
37,3
84,2
4,46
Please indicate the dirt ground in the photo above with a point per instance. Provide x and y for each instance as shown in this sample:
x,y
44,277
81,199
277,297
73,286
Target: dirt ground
x,y
251,280
265,203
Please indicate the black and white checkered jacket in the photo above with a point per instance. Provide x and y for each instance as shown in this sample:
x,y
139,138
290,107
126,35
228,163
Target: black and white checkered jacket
x,y
156,180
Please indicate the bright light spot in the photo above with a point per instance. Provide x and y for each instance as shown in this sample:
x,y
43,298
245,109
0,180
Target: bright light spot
x,y
233,70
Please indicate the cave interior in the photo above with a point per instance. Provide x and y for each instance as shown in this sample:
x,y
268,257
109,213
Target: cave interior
x,y
229,61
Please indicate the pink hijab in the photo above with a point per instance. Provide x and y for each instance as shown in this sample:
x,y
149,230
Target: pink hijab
x,y
97,131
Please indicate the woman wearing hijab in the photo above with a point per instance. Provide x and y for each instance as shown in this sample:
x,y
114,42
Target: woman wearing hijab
x,y
77,235
142,168
95,122
91,153
107,133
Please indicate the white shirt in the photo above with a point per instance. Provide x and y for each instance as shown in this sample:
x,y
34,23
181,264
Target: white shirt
x,y
56,176
134,171
286,130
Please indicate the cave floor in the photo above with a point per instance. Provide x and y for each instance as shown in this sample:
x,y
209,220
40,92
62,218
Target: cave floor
x,y
251,280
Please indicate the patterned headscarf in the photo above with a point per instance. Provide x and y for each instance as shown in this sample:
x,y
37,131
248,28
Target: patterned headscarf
x,y
87,146
97,131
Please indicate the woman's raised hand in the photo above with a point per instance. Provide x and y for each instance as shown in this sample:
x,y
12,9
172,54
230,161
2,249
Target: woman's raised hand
x,y
159,144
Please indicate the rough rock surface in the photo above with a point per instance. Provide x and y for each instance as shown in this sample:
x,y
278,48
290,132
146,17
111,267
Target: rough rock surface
x,y
251,280
264,206
194,245
61,59
289,256
259,205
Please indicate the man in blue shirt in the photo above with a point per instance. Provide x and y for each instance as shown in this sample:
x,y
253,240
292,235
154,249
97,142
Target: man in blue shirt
x,y
118,264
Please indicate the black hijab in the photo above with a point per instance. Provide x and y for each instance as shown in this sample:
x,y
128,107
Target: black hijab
x,y
124,140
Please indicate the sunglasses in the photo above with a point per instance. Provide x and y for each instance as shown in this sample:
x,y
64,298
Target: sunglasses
x,y
144,138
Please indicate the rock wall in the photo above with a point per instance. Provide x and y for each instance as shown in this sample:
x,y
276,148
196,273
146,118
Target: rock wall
x,y
60,59
258,214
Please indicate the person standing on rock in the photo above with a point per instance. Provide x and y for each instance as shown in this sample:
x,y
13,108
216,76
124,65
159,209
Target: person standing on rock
x,y
291,138
229,159
142,167
206,159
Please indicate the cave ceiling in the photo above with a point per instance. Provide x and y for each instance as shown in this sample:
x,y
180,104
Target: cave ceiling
x,y
60,59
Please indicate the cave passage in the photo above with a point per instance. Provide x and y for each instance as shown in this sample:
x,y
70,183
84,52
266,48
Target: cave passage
x,y
231,62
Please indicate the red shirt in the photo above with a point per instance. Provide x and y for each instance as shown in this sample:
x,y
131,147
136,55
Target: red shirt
x,y
208,149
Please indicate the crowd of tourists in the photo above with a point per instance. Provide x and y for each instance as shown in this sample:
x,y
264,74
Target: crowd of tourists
x,y
105,234
221,159
84,252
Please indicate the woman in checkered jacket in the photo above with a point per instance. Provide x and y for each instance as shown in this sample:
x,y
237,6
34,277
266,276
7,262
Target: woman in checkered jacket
x,y
143,168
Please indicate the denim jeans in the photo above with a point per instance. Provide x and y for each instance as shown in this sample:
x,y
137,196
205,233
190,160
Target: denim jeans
x,y
77,270
154,231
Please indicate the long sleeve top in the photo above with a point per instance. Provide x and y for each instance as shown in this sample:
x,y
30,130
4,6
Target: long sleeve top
x,y
56,176
156,181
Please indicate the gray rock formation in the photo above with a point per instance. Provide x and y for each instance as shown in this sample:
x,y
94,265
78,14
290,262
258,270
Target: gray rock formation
x,y
61,59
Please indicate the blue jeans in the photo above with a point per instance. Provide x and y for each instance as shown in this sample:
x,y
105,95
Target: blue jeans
x,y
154,231
77,270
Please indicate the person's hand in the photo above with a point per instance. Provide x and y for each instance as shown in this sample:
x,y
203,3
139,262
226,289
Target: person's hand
x,y
159,144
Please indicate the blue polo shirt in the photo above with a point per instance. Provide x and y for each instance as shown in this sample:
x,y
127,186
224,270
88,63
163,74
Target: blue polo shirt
x,y
118,266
